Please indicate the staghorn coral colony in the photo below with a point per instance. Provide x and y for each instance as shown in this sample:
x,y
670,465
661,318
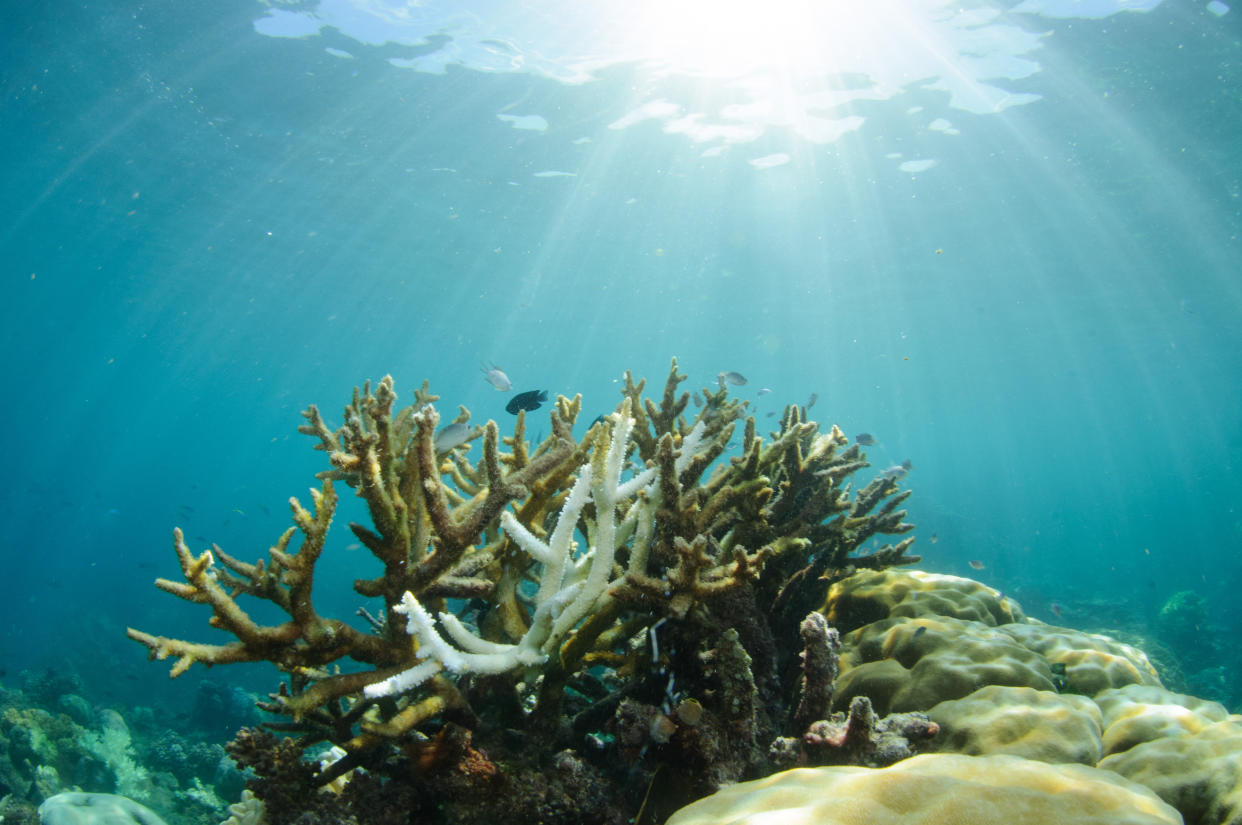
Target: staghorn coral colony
x,y
643,625
582,630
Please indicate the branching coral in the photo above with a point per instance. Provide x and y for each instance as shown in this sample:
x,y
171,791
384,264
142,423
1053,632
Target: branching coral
x,y
546,586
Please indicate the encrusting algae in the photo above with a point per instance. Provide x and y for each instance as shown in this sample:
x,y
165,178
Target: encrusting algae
x,y
583,630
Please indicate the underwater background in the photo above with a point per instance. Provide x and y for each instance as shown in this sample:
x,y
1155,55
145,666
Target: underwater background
x,y
1003,238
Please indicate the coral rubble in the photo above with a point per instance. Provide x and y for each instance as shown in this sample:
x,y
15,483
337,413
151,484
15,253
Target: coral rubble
x,y
563,628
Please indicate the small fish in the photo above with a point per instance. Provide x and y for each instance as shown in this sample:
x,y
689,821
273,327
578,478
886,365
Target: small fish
x,y
921,630
866,439
762,391
529,400
1060,675
934,538
897,471
454,435
495,376
810,402
1056,609
770,413
353,545
975,564
734,378
698,402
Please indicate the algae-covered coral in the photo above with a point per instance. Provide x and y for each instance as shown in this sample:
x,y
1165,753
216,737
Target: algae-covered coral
x,y
592,629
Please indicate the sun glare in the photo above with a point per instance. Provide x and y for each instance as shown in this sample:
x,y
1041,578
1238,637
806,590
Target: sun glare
x,y
723,38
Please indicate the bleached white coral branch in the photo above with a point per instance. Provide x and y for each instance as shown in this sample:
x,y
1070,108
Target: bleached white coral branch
x,y
569,588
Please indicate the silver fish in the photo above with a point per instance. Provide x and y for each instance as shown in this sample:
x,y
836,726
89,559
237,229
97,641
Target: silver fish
x,y
734,378
454,435
495,376
897,471
763,391
810,402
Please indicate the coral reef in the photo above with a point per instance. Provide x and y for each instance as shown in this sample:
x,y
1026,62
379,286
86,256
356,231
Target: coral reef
x,y
63,745
607,628
563,627
1198,645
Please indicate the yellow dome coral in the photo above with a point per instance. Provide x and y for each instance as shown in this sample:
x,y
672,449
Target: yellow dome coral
x,y
1093,662
1199,774
871,595
1035,724
911,664
935,789
1140,713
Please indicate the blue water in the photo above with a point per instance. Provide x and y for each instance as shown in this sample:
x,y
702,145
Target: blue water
x,y
1024,277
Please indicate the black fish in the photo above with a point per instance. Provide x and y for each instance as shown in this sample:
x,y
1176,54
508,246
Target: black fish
x,y
865,439
529,400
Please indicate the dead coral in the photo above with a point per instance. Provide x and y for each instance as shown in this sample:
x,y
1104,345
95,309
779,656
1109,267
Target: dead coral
x,y
856,737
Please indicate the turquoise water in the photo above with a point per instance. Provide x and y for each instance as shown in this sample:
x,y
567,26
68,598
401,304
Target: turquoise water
x,y
1003,239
